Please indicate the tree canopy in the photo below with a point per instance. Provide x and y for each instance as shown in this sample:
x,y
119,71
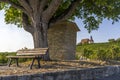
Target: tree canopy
x,y
92,12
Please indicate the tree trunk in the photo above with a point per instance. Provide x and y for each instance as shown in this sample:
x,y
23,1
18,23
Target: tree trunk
x,y
40,38
38,28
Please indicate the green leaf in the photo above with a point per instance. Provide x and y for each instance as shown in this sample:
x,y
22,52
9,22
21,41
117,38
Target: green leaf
x,y
92,12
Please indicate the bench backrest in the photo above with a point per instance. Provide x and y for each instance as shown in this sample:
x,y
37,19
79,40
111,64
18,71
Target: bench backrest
x,y
36,51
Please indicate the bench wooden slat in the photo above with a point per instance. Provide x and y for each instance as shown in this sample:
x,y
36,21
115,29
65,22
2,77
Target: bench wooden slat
x,y
41,51
30,54
20,56
35,51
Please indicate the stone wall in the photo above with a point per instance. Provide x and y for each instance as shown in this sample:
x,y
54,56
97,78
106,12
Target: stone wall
x,y
62,40
76,74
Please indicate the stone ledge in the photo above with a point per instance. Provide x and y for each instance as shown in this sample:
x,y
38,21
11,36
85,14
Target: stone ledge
x,y
74,74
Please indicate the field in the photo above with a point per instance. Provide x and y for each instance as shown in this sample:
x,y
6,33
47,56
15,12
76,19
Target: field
x,y
99,51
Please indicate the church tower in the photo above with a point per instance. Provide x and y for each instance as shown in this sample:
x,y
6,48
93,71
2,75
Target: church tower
x,y
91,40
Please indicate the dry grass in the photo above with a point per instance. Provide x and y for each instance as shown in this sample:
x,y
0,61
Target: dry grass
x,y
52,66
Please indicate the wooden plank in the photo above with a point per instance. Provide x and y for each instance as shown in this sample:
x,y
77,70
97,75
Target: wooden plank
x,y
30,53
36,51
20,56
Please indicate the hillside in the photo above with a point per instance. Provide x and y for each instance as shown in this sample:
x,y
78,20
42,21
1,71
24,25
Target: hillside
x,y
99,51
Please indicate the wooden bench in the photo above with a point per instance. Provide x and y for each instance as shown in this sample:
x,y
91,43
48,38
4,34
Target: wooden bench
x,y
34,54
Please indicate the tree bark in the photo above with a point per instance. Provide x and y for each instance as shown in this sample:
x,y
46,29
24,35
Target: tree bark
x,y
40,37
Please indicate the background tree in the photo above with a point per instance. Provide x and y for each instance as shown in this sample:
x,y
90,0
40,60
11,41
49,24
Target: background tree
x,y
36,16
118,40
111,40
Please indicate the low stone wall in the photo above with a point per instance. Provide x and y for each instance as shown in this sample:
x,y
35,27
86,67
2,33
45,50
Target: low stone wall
x,y
76,74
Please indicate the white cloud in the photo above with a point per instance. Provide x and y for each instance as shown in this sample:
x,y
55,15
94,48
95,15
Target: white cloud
x,y
13,38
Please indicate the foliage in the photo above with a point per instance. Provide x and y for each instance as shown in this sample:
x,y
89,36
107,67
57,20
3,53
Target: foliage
x,y
3,55
92,12
111,40
13,16
118,40
100,51
4,59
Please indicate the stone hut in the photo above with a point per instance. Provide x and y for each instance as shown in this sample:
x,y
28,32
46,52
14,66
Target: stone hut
x,y
62,40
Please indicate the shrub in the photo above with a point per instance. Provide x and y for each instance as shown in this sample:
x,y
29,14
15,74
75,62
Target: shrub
x,y
3,55
111,40
118,40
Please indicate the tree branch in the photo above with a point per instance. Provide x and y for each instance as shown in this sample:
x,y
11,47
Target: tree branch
x,y
26,5
26,24
49,12
67,13
43,3
34,4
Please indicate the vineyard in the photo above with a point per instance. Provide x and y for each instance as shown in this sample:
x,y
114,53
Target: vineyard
x,y
99,51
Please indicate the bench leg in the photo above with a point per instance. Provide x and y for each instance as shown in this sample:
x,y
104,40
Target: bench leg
x,y
38,60
32,63
17,62
9,62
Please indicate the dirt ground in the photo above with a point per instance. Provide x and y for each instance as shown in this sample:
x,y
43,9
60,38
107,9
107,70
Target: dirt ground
x,y
51,66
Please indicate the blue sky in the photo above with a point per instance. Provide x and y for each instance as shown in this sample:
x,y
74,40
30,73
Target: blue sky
x,y
13,38
106,31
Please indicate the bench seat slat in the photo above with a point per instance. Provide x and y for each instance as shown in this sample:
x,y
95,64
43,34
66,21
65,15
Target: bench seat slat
x,y
20,56
33,51
30,53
